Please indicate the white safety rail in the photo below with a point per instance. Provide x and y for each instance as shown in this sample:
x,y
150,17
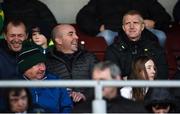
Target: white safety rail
x,y
98,85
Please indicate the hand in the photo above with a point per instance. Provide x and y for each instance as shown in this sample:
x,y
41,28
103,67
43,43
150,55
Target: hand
x,y
149,24
102,28
77,96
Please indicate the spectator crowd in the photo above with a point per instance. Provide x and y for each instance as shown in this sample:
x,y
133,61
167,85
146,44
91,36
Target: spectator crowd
x,y
35,47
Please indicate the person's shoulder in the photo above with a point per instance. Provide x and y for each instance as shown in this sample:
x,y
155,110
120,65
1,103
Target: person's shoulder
x,y
132,106
51,76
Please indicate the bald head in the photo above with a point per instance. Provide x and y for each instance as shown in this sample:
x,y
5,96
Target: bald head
x,y
60,29
65,38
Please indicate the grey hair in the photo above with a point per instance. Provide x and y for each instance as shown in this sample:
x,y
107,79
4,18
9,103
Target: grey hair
x,y
114,69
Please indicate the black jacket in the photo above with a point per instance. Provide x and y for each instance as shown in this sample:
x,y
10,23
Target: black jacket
x,y
115,105
78,68
30,11
123,52
110,13
176,10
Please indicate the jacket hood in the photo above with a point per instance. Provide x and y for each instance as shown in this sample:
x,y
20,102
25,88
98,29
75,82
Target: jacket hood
x,y
158,96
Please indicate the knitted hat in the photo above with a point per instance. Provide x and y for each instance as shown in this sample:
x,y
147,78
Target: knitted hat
x,y
43,29
29,56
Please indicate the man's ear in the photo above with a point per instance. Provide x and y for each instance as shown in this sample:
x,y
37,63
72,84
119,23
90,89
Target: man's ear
x,y
58,40
27,36
4,35
143,26
123,27
118,77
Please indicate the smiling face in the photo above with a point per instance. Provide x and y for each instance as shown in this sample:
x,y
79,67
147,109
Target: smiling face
x,y
15,36
67,39
133,26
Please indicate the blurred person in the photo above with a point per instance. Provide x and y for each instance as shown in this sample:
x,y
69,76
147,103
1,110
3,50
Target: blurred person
x,y
19,100
1,21
115,103
69,61
143,68
104,17
31,64
160,101
133,42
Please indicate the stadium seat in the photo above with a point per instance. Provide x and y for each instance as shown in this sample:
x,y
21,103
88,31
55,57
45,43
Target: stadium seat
x,y
173,48
96,45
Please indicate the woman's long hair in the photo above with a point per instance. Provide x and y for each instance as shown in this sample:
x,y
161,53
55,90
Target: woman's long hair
x,y
138,66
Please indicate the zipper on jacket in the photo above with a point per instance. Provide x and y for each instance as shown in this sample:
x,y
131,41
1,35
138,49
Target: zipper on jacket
x,y
36,95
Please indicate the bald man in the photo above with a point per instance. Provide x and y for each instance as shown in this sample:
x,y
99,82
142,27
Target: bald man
x,y
69,61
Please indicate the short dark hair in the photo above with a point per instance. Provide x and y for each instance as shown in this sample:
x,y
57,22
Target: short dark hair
x,y
15,23
17,92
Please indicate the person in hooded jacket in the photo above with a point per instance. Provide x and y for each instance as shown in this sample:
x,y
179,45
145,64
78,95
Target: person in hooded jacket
x,y
160,101
134,41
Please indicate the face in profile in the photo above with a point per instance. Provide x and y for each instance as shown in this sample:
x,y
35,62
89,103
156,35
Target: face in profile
x,y
69,39
15,36
150,69
36,72
133,26
18,103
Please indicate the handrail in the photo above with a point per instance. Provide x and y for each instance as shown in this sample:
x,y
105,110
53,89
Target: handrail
x,y
98,85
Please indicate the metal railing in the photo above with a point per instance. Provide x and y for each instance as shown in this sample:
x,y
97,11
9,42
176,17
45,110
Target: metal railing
x,y
98,85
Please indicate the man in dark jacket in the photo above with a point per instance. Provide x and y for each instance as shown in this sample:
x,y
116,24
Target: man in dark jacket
x,y
15,33
30,11
105,16
31,63
134,41
68,61
114,102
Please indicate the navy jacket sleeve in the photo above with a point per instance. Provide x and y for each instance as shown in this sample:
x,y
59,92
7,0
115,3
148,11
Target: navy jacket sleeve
x,y
87,18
